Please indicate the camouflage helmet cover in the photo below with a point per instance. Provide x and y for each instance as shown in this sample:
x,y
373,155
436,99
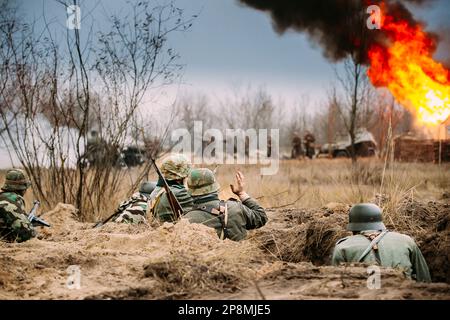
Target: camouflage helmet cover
x,y
16,180
175,166
365,216
202,181
147,187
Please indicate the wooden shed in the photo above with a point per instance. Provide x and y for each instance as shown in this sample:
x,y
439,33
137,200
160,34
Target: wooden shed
x,y
410,148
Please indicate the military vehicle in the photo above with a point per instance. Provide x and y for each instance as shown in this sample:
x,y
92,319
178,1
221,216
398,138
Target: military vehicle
x,y
365,145
133,156
99,152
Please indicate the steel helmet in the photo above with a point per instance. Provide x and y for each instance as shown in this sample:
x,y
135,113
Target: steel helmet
x,y
16,180
365,216
147,187
202,181
175,167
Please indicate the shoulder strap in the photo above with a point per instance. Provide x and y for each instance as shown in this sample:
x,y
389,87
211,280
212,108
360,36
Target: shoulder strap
x,y
372,245
221,213
223,217
341,240
207,208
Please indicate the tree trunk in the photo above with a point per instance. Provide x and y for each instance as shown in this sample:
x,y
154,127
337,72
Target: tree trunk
x,y
353,113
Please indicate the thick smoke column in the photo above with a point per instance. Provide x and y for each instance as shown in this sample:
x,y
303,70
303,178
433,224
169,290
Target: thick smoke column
x,y
339,26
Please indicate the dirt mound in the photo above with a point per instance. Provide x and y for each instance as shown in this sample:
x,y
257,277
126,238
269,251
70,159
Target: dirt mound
x,y
122,261
184,275
435,244
306,281
423,214
187,259
408,214
308,235
428,222
63,220
281,260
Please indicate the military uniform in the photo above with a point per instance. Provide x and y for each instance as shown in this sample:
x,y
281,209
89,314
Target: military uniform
x,y
309,141
133,210
242,216
372,243
14,223
296,146
175,168
161,207
395,250
231,219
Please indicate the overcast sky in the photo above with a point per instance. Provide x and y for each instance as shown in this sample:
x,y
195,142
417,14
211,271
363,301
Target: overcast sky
x,y
230,45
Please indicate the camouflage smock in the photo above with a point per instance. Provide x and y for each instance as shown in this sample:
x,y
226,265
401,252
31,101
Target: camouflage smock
x,y
395,251
133,210
242,216
14,224
161,208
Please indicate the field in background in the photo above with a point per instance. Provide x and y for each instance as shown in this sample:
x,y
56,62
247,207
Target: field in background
x,y
315,183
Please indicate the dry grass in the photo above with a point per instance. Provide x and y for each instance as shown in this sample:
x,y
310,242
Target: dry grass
x,y
313,184
322,181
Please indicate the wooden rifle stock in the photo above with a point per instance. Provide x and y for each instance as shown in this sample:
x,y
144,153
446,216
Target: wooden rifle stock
x,y
173,201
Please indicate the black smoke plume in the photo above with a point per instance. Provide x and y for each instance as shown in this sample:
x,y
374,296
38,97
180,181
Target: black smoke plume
x,y
339,26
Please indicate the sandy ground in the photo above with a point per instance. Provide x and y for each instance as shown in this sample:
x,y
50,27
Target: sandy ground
x,y
181,261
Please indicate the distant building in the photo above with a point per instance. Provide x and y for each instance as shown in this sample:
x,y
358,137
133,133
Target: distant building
x,y
411,148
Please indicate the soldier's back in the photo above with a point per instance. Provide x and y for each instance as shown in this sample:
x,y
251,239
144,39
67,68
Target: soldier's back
x,y
133,210
201,214
161,209
394,250
241,217
236,221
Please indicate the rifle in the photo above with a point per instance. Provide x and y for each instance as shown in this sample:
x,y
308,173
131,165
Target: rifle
x,y
35,220
100,223
173,201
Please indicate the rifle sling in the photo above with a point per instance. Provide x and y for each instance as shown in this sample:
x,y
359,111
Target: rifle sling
x,y
371,246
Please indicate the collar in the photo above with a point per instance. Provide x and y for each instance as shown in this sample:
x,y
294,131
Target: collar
x,y
169,182
206,198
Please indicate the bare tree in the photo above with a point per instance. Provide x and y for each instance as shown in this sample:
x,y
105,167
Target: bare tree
x,y
195,108
57,100
296,120
330,121
355,86
250,108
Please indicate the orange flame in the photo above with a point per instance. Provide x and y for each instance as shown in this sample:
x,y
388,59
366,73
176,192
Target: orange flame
x,y
407,69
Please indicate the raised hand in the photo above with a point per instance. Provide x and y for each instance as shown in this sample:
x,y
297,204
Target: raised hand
x,y
239,188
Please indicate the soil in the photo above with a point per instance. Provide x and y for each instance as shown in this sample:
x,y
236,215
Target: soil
x,y
286,259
